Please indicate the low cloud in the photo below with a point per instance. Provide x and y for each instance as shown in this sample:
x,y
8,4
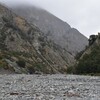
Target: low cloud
x,y
81,14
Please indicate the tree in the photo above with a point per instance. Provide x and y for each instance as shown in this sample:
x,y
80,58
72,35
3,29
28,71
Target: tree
x,y
92,39
21,63
90,63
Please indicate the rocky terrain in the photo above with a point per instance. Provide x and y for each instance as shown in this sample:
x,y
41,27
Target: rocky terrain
x,y
25,49
89,61
54,28
42,45
49,87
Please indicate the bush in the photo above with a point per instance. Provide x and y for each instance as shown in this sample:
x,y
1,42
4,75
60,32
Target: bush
x,y
71,70
92,39
12,39
31,70
21,63
90,63
78,55
3,64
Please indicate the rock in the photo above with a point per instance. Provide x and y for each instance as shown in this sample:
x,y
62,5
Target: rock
x,y
55,29
71,93
23,42
49,87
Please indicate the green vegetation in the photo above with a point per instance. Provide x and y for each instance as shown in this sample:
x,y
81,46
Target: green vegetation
x,y
71,70
2,38
3,64
31,69
78,55
92,39
21,63
37,67
90,63
12,39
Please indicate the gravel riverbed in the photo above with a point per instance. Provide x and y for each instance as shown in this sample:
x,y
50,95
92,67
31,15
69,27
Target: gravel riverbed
x,y
49,87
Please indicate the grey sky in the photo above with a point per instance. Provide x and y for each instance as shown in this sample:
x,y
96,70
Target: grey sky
x,y
81,14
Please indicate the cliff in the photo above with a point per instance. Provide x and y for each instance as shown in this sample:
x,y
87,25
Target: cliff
x,y
25,49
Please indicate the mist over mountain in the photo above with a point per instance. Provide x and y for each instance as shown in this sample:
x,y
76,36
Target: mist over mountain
x,y
35,40
54,28
25,49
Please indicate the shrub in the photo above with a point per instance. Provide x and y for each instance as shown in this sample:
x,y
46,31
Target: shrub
x,y
31,70
21,63
92,39
78,55
41,39
90,63
3,64
5,19
12,38
71,70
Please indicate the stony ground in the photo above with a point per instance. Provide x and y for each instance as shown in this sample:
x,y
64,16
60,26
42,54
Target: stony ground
x,y
49,87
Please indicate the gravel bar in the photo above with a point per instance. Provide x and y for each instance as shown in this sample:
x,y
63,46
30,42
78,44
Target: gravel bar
x,y
49,87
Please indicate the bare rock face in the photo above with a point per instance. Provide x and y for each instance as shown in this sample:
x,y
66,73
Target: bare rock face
x,y
25,49
55,29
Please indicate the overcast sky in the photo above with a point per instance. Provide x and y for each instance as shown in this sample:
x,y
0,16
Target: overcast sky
x,y
81,14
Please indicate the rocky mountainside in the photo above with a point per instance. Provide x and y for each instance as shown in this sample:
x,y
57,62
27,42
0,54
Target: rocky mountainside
x,y
25,49
89,62
55,29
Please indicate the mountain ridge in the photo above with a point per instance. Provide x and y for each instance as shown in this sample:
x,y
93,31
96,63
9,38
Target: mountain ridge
x,y
54,28
89,60
24,48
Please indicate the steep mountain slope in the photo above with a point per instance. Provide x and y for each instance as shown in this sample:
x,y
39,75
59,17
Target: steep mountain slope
x,y
25,49
89,62
55,29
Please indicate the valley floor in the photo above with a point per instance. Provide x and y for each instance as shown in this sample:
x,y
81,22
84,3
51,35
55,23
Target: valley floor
x,y
49,87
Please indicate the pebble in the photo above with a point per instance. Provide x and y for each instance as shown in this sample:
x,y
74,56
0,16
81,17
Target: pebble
x,y
49,87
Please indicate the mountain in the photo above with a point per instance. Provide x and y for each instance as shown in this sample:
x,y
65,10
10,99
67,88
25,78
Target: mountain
x,y
25,49
55,29
89,62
